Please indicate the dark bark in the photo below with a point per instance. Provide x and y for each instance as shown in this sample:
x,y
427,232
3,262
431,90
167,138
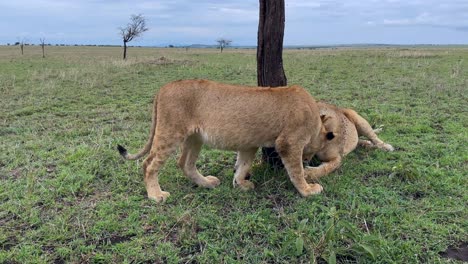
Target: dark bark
x,y
42,40
125,50
270,72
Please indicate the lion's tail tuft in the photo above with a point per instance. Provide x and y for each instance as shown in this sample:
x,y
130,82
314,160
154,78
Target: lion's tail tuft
x,y
123,151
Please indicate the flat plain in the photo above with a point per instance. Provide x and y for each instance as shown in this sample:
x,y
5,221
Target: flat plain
x,y
66,196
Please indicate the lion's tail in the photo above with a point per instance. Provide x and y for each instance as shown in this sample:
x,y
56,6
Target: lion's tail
x,y
123,152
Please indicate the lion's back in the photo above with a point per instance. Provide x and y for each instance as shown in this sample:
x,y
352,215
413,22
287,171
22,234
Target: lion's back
x,y
229,116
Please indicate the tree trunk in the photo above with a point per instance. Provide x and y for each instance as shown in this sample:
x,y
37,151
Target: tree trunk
x,y
125,50
270,72
43,53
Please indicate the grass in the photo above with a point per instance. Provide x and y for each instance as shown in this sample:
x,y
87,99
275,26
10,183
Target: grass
x,y
67,197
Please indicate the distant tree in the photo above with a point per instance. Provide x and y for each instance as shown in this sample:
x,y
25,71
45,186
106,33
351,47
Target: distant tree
x,y
134,29
21,44
222,43
42,41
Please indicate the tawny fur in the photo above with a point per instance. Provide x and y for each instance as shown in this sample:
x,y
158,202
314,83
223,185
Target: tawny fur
x,y
347,126
191,113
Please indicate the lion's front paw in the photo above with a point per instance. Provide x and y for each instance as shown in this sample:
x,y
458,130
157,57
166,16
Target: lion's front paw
x,y
161,197
211,182
311,189
388,147
245,185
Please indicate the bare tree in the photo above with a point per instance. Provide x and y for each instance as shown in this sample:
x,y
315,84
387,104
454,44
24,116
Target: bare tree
x,y
134,29
42,41
21,44
222,43
270,70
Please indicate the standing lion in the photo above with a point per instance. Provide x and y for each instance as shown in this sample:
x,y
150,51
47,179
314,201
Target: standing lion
x,y
190,113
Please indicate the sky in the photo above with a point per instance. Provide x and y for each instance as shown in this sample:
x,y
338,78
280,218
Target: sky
x,y
184,22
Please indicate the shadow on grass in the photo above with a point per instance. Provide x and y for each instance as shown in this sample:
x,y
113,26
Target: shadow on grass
x,y
459,252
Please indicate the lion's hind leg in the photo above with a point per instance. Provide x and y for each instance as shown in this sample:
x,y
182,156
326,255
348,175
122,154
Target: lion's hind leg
x,y
364,129
190,151
243,164
366,143
159,153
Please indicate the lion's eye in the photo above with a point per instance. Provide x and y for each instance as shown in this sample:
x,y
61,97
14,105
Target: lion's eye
x,y
330,135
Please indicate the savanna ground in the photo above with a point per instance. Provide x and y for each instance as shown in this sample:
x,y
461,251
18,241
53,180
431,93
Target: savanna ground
x,y
66,196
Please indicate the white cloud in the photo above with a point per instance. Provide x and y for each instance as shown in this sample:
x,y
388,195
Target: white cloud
x,y
232,14
35,4
302,4
151,6
397,22
422,19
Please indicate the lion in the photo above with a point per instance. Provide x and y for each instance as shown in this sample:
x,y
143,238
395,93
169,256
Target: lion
x,y
346,125
190,113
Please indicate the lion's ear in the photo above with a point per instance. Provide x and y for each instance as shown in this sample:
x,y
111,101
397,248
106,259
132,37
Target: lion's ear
x,y
324,118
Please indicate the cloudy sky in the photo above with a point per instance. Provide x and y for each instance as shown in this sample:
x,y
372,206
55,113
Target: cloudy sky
x,y
182,22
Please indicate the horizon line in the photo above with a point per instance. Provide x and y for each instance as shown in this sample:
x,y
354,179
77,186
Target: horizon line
x,y
201,45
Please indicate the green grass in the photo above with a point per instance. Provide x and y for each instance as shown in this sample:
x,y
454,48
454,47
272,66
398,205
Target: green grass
x,y
67,196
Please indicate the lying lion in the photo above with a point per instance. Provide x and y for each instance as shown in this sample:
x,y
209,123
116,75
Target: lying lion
x,y
347,126
196,112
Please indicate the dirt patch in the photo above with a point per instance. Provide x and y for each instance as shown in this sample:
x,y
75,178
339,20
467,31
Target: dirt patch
x,y
437,126
366,226
50,168
278,203
418,195
166,61
9,243
16,173
413,54
190,251
9,217
375,174
59,260
415,195
184,229
48,248
172,236
459,252
110,240
119,239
